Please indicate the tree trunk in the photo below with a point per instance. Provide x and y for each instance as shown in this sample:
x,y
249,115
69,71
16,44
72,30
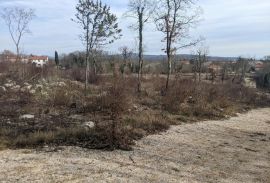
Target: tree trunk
x,y
200,72
169,70
87,68
94,65
140,51
18,52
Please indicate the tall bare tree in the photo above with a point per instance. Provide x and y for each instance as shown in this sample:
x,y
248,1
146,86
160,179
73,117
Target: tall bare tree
x,y
174,18
18,20
100,28
141,10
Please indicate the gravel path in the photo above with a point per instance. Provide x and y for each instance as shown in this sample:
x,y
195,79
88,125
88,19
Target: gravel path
x,y
234,150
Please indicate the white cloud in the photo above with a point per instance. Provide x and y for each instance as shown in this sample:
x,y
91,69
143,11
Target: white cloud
x,y
232,28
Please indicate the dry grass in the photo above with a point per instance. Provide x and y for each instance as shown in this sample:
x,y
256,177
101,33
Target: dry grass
x,y
208,100
121,114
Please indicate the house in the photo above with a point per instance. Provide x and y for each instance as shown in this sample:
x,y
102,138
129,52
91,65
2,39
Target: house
x,y
8,56
38,61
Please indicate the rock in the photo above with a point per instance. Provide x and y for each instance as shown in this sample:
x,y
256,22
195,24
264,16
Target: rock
x,y
39,87
88,125
26,88
58,84
220,109
8,85
23,90
27,116
250,83
135,107
26,84
190,100
77,117
32,91
16,88
3,89
61,84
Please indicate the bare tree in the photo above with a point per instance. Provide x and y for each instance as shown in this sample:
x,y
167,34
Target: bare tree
x,y
126,55
201,58
141,10
240,70
267,58
99,26
174,18
18,20
224,72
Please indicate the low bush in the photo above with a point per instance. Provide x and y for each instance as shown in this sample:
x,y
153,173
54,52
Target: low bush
x,y
4,67
178,93
263,77
208,100
143,123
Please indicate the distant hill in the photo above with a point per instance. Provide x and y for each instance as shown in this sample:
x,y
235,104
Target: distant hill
x,y
157,58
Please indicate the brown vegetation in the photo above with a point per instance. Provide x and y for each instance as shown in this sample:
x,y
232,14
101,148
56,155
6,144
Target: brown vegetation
x,y
111,114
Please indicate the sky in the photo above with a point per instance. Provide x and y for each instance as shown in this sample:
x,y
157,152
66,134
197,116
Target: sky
x,y
230,28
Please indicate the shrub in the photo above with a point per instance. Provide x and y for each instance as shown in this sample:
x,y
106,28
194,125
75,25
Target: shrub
x,y
177,94
59,94
78,74
146,123
207,100
4,67
263,80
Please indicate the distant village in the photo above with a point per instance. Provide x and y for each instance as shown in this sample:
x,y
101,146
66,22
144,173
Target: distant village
x,y
184,64
38,61
217,66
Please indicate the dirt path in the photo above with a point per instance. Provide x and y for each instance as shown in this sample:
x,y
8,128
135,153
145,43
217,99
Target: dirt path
x,y
234,150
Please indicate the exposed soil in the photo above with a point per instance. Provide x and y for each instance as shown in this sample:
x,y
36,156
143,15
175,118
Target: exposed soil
x,y
233,150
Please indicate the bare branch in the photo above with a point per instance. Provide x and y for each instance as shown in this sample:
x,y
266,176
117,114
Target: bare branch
x,y
174,18
18,20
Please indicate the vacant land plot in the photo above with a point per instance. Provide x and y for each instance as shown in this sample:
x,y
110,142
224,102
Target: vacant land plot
x,y
233,150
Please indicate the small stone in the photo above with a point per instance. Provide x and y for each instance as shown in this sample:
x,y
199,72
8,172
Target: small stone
x,y
26,84
8,85
16,88
39,87
88,125
77,117
62,84
27,116
25,89
3,89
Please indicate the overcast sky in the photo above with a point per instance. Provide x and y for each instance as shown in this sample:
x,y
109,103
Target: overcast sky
x,y
231,28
